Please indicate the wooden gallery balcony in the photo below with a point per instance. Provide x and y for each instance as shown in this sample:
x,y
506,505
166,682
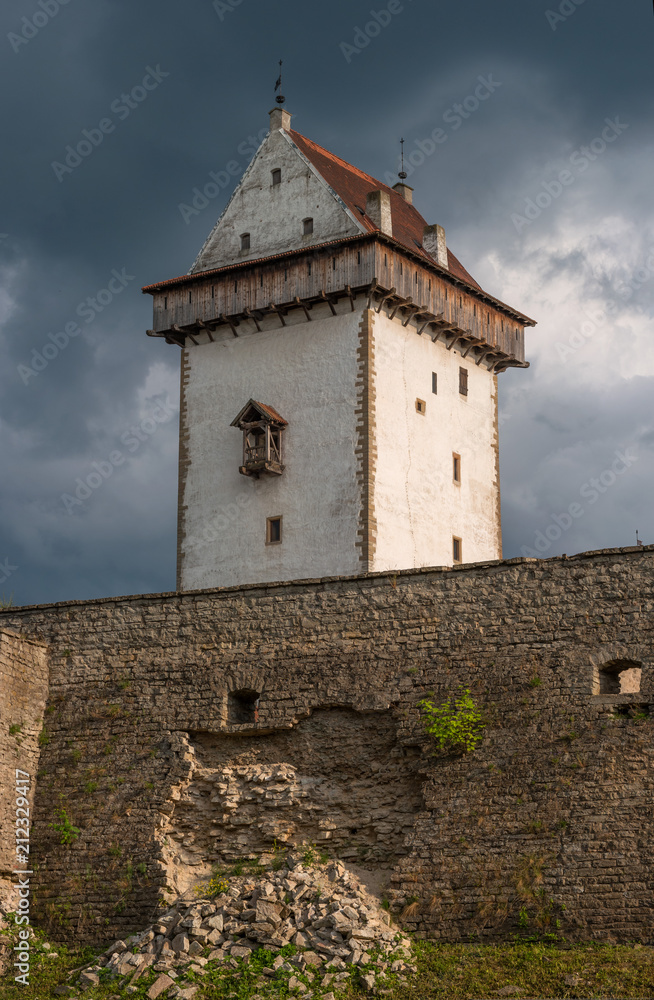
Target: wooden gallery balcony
x,y
248,296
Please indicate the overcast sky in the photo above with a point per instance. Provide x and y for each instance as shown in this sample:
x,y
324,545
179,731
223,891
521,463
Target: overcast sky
x,y
563,233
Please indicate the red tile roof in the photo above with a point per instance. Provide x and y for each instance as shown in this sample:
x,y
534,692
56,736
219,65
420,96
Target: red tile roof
x,y
353,185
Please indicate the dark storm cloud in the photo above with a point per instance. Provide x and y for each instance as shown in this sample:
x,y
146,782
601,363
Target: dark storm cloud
x,y
166,93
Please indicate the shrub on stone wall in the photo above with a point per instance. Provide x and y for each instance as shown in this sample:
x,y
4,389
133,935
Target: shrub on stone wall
x,y
456,726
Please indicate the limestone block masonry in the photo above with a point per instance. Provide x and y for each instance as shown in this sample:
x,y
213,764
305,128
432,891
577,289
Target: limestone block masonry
x,y
184,729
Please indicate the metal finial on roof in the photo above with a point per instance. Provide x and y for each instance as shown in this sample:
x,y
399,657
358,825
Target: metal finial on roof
x,y
402,174
278,86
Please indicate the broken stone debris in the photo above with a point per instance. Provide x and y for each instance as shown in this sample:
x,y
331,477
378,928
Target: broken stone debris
x,y
324,910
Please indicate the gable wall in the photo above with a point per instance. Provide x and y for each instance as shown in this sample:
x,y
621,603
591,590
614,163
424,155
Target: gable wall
x,y
273,215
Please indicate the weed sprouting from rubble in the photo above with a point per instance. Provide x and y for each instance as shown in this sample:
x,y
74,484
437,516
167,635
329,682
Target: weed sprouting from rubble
x,y
311,927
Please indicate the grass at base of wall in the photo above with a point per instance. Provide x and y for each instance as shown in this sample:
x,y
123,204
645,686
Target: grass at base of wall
x,y
455,972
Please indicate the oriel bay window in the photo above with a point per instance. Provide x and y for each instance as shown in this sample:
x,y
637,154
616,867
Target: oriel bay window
x,y
263,439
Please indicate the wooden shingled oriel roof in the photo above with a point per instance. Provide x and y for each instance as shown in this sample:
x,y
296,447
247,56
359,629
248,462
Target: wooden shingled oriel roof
x,y
258,411
353,186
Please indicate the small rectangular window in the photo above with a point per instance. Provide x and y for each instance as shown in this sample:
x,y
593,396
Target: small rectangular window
x,y
456,468
190,297
463,381
457,550
276,177
308,227
165,301
309,265
434,383
245,241
274,530
421,406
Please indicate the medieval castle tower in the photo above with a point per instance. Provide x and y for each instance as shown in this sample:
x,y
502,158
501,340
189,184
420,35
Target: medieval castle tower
x,y
339,381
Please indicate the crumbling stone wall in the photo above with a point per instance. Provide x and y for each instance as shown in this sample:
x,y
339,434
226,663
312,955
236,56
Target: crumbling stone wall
x,y
339,779
172,717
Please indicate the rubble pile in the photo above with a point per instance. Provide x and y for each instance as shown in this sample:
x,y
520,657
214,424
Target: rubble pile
x,y
339,932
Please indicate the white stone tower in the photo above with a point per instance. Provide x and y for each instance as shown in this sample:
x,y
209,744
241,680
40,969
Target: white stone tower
x,y
339,381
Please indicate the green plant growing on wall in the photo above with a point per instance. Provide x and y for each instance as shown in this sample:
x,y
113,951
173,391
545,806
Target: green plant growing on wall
x,y
6,602
14,729
44,738
455,726
535,681
68,833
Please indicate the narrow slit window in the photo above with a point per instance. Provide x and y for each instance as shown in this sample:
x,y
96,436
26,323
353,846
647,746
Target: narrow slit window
x,y
463,381
276,177
457,550
190,297
245,241
456,468
307,226
165,301
309,266
274,531
434,383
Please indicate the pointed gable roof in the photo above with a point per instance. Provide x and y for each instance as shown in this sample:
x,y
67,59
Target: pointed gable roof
x,y
260,411
353,186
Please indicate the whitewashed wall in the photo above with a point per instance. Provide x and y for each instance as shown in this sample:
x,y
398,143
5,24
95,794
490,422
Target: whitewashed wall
x,y
307,371
417,505
273,215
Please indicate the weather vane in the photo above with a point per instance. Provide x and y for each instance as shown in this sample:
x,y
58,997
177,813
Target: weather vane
x,y
402,174
278,86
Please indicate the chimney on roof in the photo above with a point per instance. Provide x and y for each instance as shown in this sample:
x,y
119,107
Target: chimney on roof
x,y
378,210
404,191
433,241
280,118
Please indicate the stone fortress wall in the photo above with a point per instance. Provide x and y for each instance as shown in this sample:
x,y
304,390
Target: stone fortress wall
x,y
23,694
186,729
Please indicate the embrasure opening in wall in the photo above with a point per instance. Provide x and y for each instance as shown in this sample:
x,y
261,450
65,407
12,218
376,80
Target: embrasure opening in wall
x,y
617,677
242,707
